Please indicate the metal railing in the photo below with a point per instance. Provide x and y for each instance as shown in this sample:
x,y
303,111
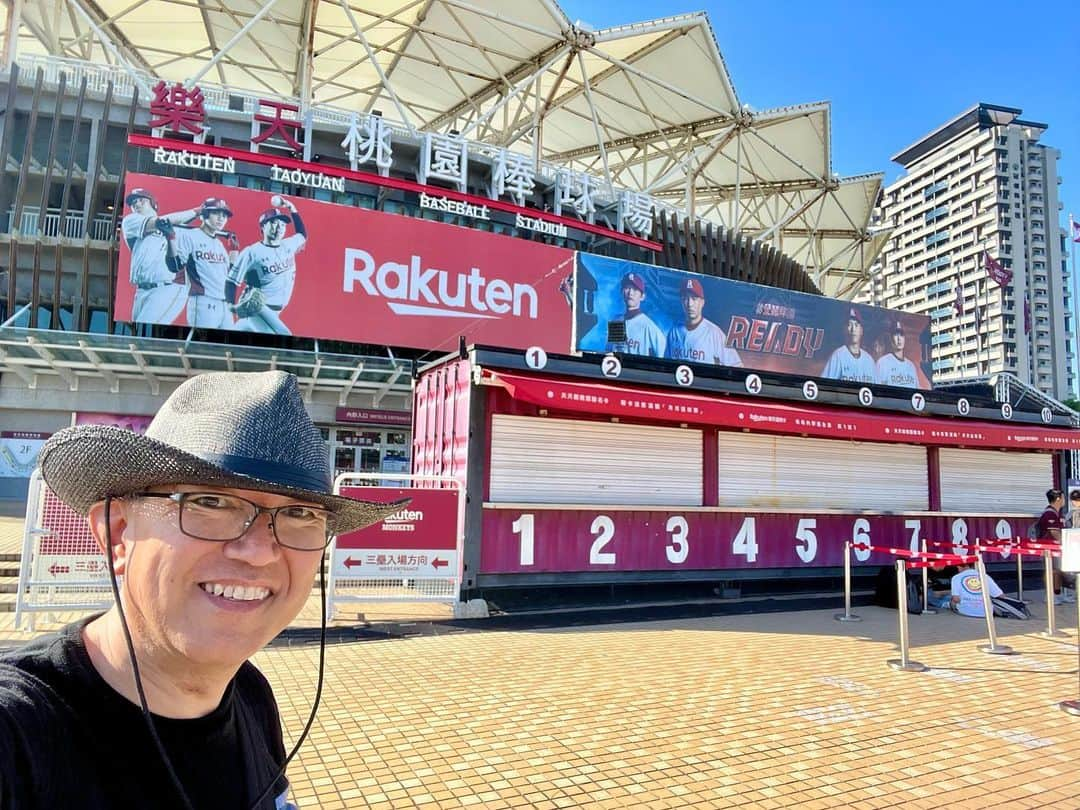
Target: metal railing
x,y
32,222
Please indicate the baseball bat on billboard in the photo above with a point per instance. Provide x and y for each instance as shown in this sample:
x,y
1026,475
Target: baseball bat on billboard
x,y
632,308
216,257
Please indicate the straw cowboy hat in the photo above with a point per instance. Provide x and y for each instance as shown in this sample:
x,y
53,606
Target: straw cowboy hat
x,y
239,430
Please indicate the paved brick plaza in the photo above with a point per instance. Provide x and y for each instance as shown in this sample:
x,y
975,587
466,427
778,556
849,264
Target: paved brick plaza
x,y
772,710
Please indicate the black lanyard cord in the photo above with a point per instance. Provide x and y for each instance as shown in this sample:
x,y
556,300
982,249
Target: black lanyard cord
x,y
142,695
135,666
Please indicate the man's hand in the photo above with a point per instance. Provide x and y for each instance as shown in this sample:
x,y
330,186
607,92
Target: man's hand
x,y
165,227
282,202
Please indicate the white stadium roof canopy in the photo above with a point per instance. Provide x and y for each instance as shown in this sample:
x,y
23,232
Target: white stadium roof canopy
x,y
648,105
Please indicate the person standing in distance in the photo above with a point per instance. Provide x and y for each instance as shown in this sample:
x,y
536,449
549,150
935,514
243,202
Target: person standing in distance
x,y
200,252
160,293
642,335
215,521
269,266
698,339
849,362
893,368
1048,530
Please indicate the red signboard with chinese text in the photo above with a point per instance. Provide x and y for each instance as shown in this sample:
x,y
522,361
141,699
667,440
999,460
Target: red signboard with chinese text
x,y
351,274
422,538
556,540
374,416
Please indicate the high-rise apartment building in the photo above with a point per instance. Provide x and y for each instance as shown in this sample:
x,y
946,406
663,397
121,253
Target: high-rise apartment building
x,y
981,183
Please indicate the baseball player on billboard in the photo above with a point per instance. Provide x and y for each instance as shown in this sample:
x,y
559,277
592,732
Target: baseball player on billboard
x,y
850,362
160,292
267,270
893,368
698,339
642,335
200,252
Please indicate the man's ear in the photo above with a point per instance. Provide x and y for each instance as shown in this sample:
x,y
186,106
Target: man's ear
x,y
116,525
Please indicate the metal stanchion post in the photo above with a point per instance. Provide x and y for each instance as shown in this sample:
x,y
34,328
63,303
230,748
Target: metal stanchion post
x,y
1019,574
1070,562
847,615
903,662
1073,706
926,585
993,648
1051,630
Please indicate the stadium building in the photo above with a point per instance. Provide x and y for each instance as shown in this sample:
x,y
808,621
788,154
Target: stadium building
x,y
441,128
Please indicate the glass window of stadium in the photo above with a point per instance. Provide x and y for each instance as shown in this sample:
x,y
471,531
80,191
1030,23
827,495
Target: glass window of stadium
x,y
368,450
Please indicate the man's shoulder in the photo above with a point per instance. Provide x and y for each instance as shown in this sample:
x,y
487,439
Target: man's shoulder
x,y
37,666
252,686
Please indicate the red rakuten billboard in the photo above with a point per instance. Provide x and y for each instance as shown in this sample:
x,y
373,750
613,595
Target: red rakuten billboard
x,y
217,257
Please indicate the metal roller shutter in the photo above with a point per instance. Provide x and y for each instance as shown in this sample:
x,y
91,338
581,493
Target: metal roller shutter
x,y
537,460
796,473
994,480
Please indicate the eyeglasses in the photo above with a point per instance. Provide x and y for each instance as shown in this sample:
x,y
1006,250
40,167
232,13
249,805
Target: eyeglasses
x,y
220,517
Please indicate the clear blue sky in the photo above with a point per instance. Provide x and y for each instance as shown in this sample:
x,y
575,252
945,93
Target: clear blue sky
x,y
893,71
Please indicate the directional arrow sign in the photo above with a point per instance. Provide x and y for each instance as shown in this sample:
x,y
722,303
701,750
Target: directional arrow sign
x,y
55,569
438,563
350,562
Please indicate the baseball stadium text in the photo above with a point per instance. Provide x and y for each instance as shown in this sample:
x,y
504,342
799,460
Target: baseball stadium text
x,y
464,209
539,225
471,294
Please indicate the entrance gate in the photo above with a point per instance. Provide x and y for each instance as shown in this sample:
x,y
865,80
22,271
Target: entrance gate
x,y
415,555
62,567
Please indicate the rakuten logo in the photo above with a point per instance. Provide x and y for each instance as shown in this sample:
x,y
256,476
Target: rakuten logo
x,y
416,290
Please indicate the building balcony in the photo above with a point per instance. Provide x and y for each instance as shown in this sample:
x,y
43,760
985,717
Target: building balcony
x,y
33,223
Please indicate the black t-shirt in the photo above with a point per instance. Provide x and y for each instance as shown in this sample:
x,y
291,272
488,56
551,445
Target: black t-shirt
x,y
67,739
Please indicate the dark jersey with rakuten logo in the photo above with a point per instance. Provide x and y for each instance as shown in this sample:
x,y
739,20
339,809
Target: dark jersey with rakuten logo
x,y
67,739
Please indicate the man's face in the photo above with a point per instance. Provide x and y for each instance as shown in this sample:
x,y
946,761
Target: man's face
x,y
273,231
1059,502
1075,505
167,573
898,343
215,220
632,297
854,332
692,307
142,206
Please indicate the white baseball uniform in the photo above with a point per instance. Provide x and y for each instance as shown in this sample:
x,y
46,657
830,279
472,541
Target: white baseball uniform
x,y
642,336
891,371
705,343
159,295
272,268
207,262
843,365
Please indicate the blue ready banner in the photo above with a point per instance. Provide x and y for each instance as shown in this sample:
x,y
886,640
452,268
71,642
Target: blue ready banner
x,y
631,308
